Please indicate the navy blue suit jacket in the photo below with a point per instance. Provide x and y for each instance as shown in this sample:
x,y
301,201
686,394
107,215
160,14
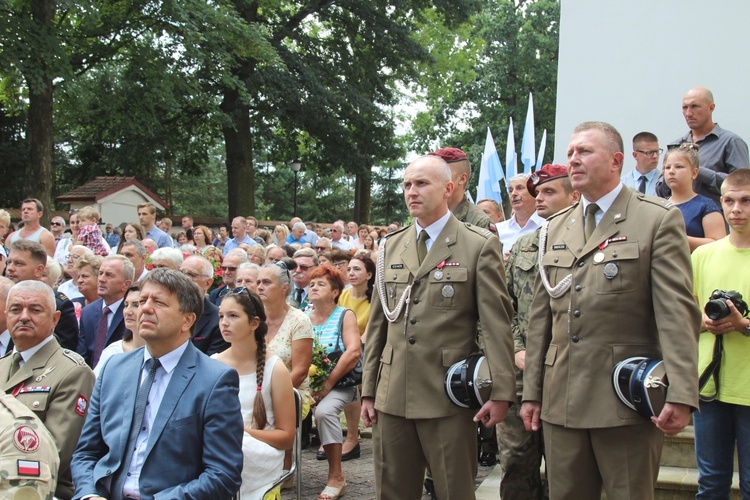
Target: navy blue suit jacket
x,y
194,449
90,316
206,334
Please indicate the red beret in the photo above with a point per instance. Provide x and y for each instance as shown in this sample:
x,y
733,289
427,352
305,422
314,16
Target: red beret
x,y
545,174
450,155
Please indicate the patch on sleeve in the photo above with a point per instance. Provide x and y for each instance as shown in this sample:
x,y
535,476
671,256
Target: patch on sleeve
x,y
82,405
28,468
26,439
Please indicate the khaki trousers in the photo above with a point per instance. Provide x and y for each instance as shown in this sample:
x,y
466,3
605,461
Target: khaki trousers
x,y
625,460
403,448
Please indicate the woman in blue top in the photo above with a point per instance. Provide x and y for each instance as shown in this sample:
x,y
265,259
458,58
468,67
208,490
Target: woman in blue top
x,y
703,220
331,321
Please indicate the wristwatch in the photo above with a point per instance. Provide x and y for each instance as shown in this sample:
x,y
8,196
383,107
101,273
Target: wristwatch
x,y
746,330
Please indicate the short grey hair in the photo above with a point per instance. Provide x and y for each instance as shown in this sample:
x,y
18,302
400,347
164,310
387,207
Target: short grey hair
x,y
239,253
299,225
128,269
307,252
173,255
283,274
206,267
35,286
519,177
140,249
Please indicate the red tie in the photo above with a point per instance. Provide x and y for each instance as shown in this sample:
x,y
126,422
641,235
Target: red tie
x,y
101,336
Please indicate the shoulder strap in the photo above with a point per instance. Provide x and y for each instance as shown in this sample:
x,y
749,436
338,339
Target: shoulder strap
x,y
341,326
712,369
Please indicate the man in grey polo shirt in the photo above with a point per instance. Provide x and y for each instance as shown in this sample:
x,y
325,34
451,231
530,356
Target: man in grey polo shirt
x,y
721,151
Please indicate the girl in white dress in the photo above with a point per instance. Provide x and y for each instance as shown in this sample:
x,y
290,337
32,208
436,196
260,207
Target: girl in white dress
x,y
265,391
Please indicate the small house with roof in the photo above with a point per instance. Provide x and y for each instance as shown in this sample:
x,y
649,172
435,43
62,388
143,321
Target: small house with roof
x,y
116,198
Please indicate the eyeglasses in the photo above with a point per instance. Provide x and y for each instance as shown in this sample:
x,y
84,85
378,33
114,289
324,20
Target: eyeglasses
x,y
341,264
229,269
653,152
304,269
321,249
283,266
55,223
239,290
391,229
335,230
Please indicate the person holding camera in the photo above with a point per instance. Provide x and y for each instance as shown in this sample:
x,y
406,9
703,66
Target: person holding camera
x,y
719,285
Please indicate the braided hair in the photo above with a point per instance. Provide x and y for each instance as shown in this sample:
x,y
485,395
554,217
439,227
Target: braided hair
x,y
253,307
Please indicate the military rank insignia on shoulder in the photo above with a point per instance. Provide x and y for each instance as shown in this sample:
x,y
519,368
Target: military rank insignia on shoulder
x,y
654,200
74,357
61,296
486,233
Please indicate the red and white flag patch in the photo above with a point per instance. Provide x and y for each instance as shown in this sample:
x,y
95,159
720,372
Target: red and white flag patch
x,y
81,405
28,468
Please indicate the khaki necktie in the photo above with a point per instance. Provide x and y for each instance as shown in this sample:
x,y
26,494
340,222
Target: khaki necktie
x,y
590,222
422,245
16,364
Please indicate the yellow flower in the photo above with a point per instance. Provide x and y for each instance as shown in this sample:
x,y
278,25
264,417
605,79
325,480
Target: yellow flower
x,y
312,371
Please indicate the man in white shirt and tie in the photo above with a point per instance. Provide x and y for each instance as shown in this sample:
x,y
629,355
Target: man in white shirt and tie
x,y
644,175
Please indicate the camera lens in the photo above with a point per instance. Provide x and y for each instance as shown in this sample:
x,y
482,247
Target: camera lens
x,y
717,309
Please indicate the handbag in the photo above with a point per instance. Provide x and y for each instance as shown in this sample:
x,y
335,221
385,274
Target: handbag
x,y
354,377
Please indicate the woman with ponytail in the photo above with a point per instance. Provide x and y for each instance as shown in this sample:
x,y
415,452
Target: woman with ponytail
x,y
265,391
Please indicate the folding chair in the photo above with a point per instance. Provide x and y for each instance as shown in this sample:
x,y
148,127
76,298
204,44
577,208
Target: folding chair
x,y
295,469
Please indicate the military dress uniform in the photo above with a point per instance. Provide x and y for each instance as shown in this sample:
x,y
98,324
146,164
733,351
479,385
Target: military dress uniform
x,y
627,291
437,305
520,450
468,212
56,385
28,456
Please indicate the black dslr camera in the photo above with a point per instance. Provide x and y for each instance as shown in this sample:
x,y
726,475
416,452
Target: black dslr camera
x,y
716,307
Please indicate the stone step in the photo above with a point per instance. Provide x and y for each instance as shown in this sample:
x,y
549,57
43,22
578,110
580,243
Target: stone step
x,y
679,450
678,483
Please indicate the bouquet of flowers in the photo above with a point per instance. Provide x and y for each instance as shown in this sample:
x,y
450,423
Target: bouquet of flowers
x,y
320,368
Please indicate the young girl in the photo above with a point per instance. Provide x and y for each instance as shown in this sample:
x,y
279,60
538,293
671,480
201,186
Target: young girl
x,y
703,220
266,393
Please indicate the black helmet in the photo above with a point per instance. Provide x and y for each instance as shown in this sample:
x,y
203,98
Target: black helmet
x,y
468,383
641,384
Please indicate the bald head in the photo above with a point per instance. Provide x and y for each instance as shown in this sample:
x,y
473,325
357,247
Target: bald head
x,y
697,108
701,93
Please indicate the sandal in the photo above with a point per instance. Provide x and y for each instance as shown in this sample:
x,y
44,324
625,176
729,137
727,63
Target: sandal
x,y
331,492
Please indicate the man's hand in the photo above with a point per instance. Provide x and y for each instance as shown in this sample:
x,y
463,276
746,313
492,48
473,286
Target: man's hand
x,y
369,415
734,322
492,413
673,418
521,360
531,412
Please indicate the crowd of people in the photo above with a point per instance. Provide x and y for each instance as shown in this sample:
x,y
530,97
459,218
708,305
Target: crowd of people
x,y
164,360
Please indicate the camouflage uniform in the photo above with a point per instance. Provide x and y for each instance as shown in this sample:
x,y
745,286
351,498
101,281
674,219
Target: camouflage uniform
x,y
468,212
520,450
56,385
28,454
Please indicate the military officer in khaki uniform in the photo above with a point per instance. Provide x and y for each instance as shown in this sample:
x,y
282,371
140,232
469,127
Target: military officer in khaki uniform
x,y
53,382
458,202
28,455
436,278
615,282
520,450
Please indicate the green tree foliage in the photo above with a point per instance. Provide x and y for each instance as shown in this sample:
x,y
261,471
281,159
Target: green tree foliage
x,y
485,75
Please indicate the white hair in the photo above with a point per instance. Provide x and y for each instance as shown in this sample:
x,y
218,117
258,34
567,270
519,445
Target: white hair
x,y
35,286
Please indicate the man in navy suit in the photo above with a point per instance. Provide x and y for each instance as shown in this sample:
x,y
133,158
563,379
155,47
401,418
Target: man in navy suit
x,y
115,276
189,444
206,334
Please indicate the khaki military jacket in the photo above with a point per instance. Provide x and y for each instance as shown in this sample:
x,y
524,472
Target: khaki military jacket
x,y
460,281
56,385
28,456
630,294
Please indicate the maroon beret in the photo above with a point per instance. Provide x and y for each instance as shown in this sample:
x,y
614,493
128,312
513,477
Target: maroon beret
x,y
545,174
450,155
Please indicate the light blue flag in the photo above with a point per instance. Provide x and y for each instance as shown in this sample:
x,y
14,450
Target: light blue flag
x,y
528,158
542,148
490,172
510,153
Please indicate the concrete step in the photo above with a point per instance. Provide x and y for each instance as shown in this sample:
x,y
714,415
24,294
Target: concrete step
x,y
678,483
679,450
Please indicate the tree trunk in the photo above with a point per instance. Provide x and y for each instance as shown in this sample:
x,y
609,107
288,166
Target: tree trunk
x,y
238,141
362,198
40,129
